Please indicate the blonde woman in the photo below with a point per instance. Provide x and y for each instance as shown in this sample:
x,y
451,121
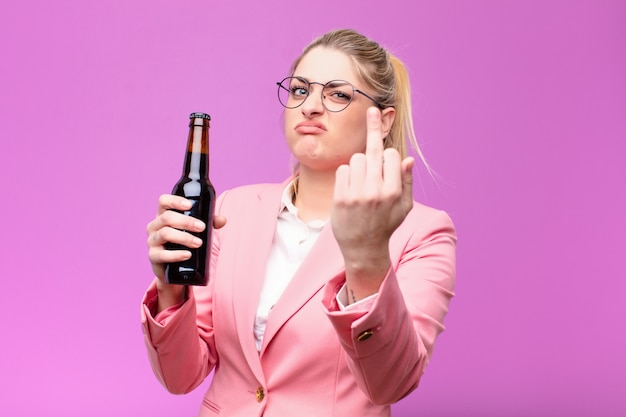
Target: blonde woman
x,y
328,290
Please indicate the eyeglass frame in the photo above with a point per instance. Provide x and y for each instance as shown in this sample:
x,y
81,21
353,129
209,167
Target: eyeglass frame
x,y
309,83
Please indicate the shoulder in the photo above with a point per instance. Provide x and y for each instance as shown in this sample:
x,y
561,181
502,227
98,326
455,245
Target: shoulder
x,y
423,214
424,222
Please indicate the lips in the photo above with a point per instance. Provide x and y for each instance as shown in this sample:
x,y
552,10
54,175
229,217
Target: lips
x,y
310,127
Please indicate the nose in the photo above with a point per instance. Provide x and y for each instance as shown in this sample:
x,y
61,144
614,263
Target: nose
x,y
313,105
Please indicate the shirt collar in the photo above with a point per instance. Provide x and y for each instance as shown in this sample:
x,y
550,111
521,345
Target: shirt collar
x,y
286,201
287,206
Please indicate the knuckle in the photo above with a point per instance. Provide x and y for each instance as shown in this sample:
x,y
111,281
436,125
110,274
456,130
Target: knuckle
x,y
371,194
343,202
161,234
165,216
164,199
151,238
168,216
391,153
154,256
342,170
191,223
392,194
167,234
357,158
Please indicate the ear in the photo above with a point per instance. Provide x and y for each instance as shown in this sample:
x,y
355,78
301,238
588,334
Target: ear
x,y
388,115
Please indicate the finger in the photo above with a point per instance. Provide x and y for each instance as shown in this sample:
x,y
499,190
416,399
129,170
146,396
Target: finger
x,y
170,218
359,166
392,171
169,202
374,146
171,235
407,181
342,181
374,143
164,256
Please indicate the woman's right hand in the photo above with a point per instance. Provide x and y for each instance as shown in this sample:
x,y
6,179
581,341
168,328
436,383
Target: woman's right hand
x,y
171,226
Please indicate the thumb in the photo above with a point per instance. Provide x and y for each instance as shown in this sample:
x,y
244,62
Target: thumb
x,y
218,221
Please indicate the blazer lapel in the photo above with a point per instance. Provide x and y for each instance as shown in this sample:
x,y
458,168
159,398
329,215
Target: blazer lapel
x,y
249,272
323,262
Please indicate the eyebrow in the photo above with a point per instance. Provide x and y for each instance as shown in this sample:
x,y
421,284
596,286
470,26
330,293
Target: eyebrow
x,y
335,83
301,77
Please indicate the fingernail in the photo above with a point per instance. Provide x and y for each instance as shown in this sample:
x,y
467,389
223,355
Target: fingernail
x,y
197,241
198,225
186,204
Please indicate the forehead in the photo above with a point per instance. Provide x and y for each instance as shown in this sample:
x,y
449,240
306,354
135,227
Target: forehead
x,y
323,64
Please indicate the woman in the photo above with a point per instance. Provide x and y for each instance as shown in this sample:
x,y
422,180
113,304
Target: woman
x,y
327,291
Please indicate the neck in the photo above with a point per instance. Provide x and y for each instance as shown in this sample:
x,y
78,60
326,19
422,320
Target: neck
x,y
314,194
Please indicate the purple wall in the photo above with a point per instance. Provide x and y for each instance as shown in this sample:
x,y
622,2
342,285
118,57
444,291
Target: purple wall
x,y
520,106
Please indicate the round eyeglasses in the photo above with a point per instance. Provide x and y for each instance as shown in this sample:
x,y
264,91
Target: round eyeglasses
x,y
336,94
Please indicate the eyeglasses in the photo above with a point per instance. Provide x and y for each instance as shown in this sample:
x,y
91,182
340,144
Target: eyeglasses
x,y
336,94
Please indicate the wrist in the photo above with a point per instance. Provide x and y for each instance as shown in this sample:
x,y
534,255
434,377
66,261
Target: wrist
x,y
364,279
169,295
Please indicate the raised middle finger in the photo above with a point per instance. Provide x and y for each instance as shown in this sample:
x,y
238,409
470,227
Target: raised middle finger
x,y
374,144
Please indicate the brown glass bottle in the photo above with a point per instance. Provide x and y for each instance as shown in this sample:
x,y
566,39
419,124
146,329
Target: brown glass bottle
x,y
196,187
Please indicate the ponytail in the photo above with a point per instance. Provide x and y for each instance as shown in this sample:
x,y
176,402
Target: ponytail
x,y
402,131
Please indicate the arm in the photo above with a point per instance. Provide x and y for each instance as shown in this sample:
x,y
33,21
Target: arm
x,y
178,324
179,343
399,330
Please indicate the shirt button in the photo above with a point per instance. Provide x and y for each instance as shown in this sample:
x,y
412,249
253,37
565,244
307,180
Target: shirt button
x,y
260,394
365,335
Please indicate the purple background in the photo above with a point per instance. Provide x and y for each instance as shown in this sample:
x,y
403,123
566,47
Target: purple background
x,y
520,107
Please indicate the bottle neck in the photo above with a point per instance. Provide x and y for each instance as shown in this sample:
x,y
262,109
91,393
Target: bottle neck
x,y
197,157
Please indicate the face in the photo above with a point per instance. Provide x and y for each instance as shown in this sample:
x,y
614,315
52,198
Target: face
x,y
319,139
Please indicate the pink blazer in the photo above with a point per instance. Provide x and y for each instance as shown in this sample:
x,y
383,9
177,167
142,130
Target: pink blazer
x,y
315,360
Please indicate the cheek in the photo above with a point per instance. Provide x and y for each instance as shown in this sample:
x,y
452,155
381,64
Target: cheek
x,y
355,135
290,118
287,131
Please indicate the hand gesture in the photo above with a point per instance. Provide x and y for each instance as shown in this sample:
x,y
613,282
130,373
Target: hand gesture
x,y
372,196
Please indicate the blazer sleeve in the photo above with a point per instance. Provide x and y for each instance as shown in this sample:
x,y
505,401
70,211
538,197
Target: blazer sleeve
x,y
180,350
179,340
389,345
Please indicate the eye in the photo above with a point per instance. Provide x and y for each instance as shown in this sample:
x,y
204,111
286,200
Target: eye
x,y
340,96
298,90
338,92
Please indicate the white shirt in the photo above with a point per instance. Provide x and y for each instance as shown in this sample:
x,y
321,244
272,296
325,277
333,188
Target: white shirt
x,y
293,239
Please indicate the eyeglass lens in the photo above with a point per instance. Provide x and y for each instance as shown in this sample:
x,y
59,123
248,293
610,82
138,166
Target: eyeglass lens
x,y
336,95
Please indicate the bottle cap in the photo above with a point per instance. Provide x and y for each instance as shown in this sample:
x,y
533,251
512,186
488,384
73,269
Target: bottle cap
x,y
199,116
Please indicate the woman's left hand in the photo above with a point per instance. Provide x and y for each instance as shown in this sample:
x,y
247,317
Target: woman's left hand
x,y
373,195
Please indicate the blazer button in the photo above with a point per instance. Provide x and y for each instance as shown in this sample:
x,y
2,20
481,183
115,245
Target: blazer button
x,y
260,394
365,335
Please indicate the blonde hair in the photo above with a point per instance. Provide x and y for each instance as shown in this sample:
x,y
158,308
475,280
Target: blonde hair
x,y
384,75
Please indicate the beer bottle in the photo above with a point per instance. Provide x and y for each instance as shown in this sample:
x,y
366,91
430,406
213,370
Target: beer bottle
x,y
196,187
